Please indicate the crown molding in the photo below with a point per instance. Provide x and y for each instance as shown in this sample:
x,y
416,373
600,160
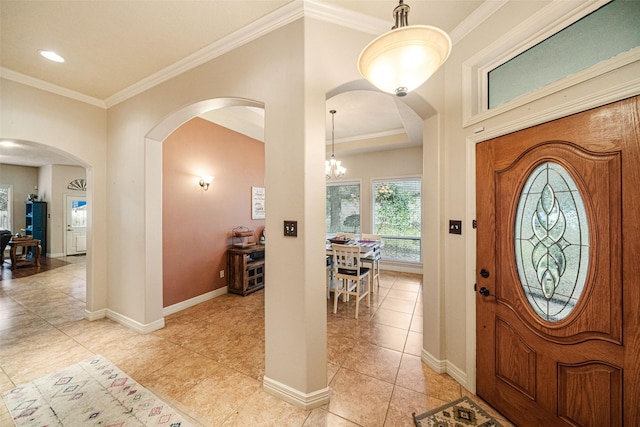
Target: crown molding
x,y
5,73
297,9
477,17
275,20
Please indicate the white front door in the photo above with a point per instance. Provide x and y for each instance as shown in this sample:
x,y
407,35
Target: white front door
x,y
76,217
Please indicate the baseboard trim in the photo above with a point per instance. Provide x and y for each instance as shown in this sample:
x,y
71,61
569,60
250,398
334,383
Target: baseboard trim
x,y
444,367
194,301
295,397
135,325
401,267
440,366
95,315
457,374
158,324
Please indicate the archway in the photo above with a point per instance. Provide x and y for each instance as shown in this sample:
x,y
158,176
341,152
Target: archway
x,y
423,121
153,192
53,189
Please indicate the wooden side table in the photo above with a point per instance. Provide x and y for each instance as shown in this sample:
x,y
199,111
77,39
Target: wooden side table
x,y
245,267
16,243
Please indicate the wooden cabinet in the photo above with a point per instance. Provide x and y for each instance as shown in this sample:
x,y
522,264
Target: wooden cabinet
x,y
36,223
245,269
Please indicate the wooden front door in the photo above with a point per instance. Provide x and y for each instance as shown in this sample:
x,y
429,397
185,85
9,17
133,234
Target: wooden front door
x,y
558,259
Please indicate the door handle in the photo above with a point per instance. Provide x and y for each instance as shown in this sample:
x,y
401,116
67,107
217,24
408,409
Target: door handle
x,y
484,273
484,292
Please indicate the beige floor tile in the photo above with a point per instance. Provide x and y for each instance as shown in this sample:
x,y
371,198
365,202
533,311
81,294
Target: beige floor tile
x,y
263,409
417,324
181,375
337,347
415,375
384,336
392,318
322,418
359,398
402,306
219,396
374,361
407,285
402,294
5,416
404,403
209,358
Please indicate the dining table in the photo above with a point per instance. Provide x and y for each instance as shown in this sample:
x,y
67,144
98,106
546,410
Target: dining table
x,y
367,247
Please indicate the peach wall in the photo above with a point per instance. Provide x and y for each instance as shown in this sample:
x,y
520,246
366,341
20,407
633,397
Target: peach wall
x,y
197,224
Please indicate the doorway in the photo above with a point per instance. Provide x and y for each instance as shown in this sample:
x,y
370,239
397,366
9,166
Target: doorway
x,y
557,325
76,225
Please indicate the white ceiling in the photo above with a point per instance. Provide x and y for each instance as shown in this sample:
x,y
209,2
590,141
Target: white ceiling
x,y
112,47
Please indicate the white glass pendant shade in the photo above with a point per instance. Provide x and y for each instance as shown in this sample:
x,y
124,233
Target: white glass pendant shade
x,y
404,58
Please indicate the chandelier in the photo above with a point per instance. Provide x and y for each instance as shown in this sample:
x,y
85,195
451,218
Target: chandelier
x,y
404,58
333,168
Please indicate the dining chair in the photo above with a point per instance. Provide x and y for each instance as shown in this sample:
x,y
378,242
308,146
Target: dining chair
x,y
374,259
349,276
329,268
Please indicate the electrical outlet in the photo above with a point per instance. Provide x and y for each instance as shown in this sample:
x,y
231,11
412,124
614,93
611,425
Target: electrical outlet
x,y
291,228
221,274
455,226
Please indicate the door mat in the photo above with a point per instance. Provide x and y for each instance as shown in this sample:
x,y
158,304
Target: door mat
x,y
460,413
93,392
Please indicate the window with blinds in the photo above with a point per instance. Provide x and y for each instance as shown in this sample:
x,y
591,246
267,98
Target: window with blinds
x,y
343,208
397,218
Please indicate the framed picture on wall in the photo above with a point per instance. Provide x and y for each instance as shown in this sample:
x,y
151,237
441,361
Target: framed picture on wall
x,y
257,202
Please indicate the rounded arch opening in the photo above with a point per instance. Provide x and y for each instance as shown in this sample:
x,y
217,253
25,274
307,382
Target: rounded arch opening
x,y
56,192
153,190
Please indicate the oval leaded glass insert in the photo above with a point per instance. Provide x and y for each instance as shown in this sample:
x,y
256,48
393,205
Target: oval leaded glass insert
x,y
551,242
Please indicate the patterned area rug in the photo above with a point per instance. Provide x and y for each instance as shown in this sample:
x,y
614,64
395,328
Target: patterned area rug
x,y
91,393
460,413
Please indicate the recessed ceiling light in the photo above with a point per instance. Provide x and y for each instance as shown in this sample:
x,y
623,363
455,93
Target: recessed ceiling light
x,y
51,55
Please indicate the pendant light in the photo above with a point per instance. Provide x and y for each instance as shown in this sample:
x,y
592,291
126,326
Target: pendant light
x,y
333,168
404,58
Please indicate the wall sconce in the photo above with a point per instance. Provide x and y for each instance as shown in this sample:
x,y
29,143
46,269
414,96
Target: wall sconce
x,y
205,181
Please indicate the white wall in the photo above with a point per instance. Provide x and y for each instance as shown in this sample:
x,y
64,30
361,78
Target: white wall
x,y
78,130
23,179
290,76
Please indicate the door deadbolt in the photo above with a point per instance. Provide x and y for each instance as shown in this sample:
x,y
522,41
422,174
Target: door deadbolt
x,y
484,273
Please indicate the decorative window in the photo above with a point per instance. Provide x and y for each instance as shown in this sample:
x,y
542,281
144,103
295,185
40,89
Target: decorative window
x,y
560,46
567,52
397,218
551,242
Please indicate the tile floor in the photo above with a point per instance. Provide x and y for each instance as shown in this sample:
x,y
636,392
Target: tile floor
x,y
208,361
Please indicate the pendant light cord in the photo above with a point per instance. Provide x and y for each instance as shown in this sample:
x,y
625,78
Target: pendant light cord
x,y
333,130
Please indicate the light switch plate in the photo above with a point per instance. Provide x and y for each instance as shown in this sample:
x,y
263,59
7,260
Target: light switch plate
x,y
291,228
